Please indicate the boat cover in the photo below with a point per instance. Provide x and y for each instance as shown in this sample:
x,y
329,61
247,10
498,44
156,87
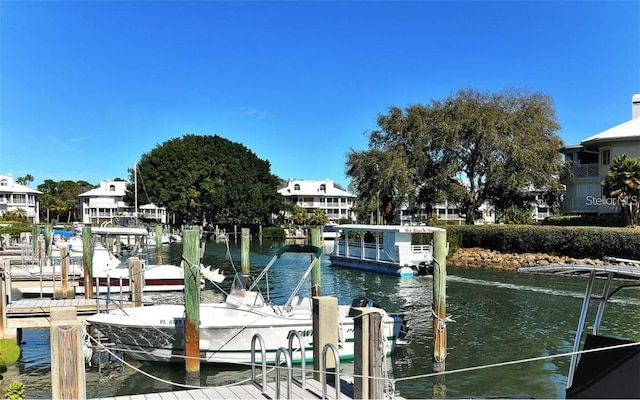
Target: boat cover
x,y
607,374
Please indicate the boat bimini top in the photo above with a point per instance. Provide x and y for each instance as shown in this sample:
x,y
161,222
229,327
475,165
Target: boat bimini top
x,y
589,379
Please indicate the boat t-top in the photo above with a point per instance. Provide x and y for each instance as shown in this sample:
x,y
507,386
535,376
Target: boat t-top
x,y
602,366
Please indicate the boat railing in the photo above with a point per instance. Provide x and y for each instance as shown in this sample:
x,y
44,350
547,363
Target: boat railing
x,y
295,334
263,353
287,358
336,374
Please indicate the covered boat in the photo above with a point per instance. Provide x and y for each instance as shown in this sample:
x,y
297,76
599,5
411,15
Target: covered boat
x,y
385,249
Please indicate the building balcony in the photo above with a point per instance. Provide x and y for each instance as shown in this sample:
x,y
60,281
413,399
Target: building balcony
x,y
581,171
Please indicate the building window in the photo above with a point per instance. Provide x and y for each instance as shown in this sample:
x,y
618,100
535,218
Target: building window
x,y
606,157
3,182
112,188
323,187
296,187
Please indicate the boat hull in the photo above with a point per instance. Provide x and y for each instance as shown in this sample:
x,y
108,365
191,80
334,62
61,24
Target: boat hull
x,y
387,268
156,333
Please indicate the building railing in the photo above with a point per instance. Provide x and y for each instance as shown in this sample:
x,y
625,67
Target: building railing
x,y
583,171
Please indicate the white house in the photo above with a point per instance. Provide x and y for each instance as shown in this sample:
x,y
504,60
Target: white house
x,y
105,204
323,195
589,163
14,197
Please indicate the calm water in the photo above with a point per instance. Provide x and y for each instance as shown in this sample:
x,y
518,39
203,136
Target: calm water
x,y
500,317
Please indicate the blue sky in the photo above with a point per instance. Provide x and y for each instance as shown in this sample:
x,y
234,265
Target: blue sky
x,y
88,87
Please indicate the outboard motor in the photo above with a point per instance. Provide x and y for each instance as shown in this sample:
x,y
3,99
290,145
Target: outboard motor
x,y
425,268
360,302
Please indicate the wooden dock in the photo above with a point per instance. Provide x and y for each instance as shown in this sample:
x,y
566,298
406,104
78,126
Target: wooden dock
x,y
36,313
313,390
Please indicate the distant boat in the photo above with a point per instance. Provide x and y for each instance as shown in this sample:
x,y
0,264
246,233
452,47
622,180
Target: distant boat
x,y
156,333
329,232
385,249
108,271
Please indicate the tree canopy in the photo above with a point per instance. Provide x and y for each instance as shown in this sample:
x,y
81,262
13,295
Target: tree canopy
x,y
59,198
623,183
206,179
495,146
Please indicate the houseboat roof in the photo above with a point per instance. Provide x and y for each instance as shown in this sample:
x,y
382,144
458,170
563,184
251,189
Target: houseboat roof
x,y
118,230
394,228
601,271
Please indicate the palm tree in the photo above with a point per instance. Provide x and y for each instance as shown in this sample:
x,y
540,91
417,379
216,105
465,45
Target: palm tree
x,y
623,183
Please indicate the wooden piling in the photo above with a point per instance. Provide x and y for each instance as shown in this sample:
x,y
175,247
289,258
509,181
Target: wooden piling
x,y
191,263
325,330
316,272
136,281
158,244
63,290
4,271
87,261
245,245
368,352
439,310
48,239
67,366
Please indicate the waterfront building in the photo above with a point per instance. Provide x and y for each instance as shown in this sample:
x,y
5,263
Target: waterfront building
x,y
105,204
16,197
324,195
588,163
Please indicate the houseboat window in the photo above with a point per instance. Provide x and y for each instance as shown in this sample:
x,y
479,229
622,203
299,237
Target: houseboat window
x,y
369,238
606,157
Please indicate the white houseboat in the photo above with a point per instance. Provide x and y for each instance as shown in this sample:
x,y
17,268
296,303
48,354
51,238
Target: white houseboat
x,y
384,249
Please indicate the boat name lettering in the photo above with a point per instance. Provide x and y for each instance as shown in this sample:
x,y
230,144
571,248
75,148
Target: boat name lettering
x,y
176,321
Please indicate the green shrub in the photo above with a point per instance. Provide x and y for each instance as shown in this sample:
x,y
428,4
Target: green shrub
x,y
273,232
611,220
592,242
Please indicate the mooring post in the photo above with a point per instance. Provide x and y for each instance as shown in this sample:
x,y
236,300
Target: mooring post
x,y
191,263
4,271
87,261
325,330
439,310
158,244
48,239
67,356
136,281
368,354
316,272
245,248
360,354
64,291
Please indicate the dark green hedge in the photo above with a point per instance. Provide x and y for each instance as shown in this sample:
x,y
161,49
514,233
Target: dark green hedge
x,y
572,241
612,220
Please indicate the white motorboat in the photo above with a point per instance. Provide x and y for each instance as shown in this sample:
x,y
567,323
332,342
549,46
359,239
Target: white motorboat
x,y
156,333
108,271
601,366
385,249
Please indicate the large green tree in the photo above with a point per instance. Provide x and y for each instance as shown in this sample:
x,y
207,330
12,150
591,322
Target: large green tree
x,y
494,145
59,198
623,183
206,179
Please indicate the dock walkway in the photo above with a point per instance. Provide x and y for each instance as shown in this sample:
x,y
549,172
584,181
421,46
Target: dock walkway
x,y
36,313
313,390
